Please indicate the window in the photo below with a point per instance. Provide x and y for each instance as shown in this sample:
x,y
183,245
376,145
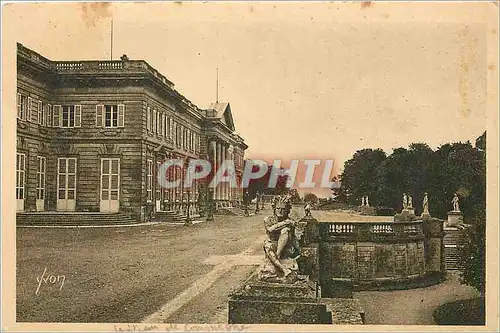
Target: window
x,y
165,126
154,129
22,103
172,132
168,132
20,175
149,181
160,124
67,116
40,178
158,188
148,119
110,115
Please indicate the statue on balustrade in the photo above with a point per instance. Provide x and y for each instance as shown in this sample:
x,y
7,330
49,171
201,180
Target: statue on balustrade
x,y
410,202
366,202
425,205
281,248
362,201
455,201
405,201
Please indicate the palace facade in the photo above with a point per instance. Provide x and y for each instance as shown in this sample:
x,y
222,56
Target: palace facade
x,y
91,136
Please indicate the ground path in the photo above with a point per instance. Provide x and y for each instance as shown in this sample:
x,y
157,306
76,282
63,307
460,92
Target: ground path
x,y
171,273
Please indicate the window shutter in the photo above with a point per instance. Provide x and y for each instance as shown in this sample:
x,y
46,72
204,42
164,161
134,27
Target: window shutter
x,y
57,117
49,115
40,114
19,110
154,121
78,116
99,110
148,119
28,110
121,115
164,125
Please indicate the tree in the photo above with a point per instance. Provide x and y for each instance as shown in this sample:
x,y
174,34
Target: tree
x,y
472,256
294,195
311,198
359,176
453,168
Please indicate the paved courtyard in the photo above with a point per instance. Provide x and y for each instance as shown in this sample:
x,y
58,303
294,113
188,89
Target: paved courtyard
x,y
169,273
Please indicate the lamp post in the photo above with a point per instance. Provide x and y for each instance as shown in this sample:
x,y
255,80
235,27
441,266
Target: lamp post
x,y
245,203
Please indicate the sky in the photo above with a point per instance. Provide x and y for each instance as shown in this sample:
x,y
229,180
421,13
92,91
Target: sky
x,y
318,80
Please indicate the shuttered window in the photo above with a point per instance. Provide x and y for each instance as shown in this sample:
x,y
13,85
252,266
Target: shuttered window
x,y
78,116
57,116
99,111
121,115
148,119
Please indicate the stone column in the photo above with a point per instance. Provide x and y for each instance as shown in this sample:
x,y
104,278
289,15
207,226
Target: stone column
x,y
224,185
219,158
214,158
230,189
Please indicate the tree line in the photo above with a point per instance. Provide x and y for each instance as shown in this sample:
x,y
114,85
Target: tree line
x,y
451,168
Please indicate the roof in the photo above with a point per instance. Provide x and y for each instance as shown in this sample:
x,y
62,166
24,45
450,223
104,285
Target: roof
x,y
221,111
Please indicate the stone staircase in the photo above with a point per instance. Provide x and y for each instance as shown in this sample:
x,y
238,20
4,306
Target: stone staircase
x,y
170,216
452,242
73,219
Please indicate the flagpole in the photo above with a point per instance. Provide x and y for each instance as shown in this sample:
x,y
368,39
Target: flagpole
x,y
217,87
111,39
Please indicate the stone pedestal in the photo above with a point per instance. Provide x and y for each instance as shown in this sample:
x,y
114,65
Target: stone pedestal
x,y
406,215
368,210
425,216
258,302
455,218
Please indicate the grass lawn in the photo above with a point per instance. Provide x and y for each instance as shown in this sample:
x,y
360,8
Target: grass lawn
x,y
412,306
462,312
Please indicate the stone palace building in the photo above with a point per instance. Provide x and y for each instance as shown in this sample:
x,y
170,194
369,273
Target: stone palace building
x,y
92,134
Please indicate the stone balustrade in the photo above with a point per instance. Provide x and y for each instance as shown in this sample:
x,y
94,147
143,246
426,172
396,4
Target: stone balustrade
x,y
383,255
91,65
356,229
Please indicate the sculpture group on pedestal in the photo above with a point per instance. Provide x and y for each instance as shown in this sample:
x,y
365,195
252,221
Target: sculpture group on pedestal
x,y
364,201
281,248
407,201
